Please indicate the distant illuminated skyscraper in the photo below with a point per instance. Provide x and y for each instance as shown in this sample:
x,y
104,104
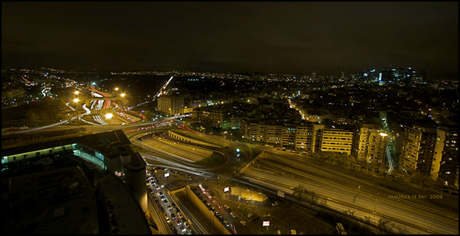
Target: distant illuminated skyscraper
x,y
387,75
423,74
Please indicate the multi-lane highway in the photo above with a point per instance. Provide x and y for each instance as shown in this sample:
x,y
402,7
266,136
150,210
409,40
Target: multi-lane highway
x,y
357,195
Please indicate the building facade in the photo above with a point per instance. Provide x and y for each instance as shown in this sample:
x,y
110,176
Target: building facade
x,y
417,150
171,105
307,136
445,160
370,142
335,140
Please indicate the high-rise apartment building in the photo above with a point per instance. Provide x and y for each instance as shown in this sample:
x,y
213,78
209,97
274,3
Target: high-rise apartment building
x,y
417,150
307,136
369,142
445,160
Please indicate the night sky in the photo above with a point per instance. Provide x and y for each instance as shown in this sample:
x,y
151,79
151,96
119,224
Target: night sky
x,y
268,37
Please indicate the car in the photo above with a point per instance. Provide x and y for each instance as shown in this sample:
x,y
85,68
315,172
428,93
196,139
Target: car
x,y
243,222
275,204
160,193
233,214
225,223
217,213
173,216
158,188
173,204
182,229
166,201
186,224
167,219
221,218
180,215
162,209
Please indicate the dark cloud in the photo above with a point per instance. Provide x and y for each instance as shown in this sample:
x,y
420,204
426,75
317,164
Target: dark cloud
x,y
274,37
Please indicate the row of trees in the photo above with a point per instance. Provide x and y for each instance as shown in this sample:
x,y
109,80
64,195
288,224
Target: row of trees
x,y
417,178
302,194
422,180
351,162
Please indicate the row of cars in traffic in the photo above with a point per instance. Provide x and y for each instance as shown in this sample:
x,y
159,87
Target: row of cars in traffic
x,y
173,215
204,193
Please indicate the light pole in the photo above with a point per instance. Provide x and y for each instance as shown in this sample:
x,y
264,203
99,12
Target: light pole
x,y
76,102
108,116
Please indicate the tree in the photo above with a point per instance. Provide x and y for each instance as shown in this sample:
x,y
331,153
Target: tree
x,y
382,168
418,177
349,161
439,184
401,229
362,163
299,192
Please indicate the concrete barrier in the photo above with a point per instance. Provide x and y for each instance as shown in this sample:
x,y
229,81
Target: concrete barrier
x,y
187,139
202,208
241,169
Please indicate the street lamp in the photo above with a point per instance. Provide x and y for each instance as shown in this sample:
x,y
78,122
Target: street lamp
x,y
76,102
108,116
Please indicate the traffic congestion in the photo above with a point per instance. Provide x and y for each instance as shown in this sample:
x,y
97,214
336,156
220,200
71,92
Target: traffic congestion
x,y
161,180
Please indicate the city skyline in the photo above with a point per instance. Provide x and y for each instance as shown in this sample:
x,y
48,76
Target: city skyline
x,y
280,38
